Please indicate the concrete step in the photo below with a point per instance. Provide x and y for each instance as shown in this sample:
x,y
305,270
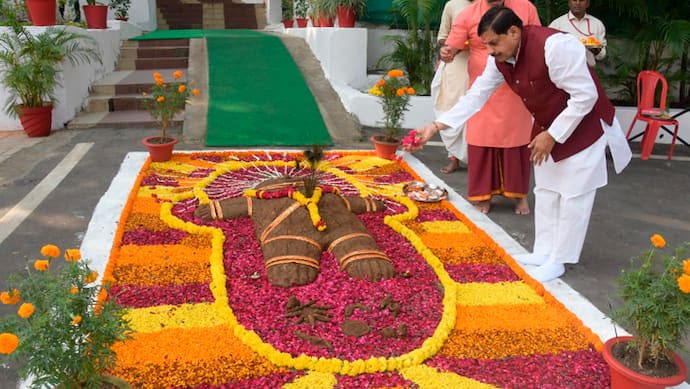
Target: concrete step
x,y
120,119
163,42
163,52
120,102
161,63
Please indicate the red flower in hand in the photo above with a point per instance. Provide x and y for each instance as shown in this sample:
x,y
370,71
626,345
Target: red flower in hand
x,y
411,141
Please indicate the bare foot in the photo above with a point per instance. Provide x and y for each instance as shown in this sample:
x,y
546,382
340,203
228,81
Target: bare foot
x,y
521,206
483,206
452,166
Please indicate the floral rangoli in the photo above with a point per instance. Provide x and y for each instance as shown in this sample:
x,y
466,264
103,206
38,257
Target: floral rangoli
x,y
458,313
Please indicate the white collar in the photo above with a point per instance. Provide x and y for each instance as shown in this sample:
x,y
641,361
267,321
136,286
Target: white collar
x,y
571,16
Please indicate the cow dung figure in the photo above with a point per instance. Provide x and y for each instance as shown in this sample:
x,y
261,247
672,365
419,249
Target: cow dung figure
x,y
294,230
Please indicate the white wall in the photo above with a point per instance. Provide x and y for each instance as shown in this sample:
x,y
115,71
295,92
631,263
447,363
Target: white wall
x,y
76,80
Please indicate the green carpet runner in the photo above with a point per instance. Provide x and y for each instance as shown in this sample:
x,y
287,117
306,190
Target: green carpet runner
x,y
257,95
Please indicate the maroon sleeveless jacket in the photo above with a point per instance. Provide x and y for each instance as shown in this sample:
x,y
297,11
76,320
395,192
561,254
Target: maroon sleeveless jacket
x,y
529,79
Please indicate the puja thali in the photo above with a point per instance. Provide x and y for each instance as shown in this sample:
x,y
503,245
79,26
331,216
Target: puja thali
x,y
427,193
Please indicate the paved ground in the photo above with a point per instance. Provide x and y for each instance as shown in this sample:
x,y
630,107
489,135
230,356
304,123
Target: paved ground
x,y
73,168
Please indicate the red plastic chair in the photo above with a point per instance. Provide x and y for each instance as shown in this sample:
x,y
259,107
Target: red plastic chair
x,y
650,112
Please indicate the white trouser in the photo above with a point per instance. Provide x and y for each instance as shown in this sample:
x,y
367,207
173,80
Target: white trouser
x,y
454,140
560,224
455,79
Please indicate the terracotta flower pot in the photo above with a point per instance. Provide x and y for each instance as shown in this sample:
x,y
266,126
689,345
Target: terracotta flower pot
x,y
159,152
346,16
384,149
41,12
301,22
96,16
36,121
624,378
287,23
325,21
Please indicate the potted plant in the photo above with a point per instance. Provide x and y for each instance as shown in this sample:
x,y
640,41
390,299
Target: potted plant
x,y
32,66
655,295
166,100
416,52
287,13
301,12
96,14
347,10
64,324
121,8
325,11
394,94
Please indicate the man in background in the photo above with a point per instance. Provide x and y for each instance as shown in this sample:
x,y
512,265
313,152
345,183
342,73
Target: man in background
x,y
450,82
579,23
497,137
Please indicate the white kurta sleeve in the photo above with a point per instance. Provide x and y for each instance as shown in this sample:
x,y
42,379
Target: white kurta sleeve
x,y
473,101
565,58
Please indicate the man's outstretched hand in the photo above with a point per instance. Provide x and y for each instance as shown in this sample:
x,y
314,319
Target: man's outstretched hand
x,y
424,133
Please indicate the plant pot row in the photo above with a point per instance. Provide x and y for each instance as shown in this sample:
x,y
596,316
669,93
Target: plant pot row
x,y
42,13
345,16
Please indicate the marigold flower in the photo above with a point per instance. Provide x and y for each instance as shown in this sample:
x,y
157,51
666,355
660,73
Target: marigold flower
x,y
26,310
410,91
658,241
102,295
182,88
72,255
41,264
394,73
686,266
73,290
91,277
684,283
400,92
8,343
195,92
11,297
160,99
381,82
50,250
177,74
76,320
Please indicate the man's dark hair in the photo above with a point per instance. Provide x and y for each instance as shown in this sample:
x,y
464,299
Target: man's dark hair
x,y
499,20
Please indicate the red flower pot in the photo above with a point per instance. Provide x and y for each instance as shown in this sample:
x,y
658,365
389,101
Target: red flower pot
x,y
325,21
36,121
41,12
624,378
384,149
159,152
346,16
301,22
288,23
96,16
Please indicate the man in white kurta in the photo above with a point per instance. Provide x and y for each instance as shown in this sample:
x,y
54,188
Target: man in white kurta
x,y
564,190
450,82
583,25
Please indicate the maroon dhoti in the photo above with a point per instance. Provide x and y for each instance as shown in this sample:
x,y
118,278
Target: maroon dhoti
x,y
494,170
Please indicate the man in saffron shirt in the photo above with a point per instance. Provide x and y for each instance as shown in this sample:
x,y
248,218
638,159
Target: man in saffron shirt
x,y
497,137
574,123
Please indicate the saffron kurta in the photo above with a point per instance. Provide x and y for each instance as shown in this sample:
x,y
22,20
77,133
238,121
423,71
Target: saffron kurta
x,y
503,121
